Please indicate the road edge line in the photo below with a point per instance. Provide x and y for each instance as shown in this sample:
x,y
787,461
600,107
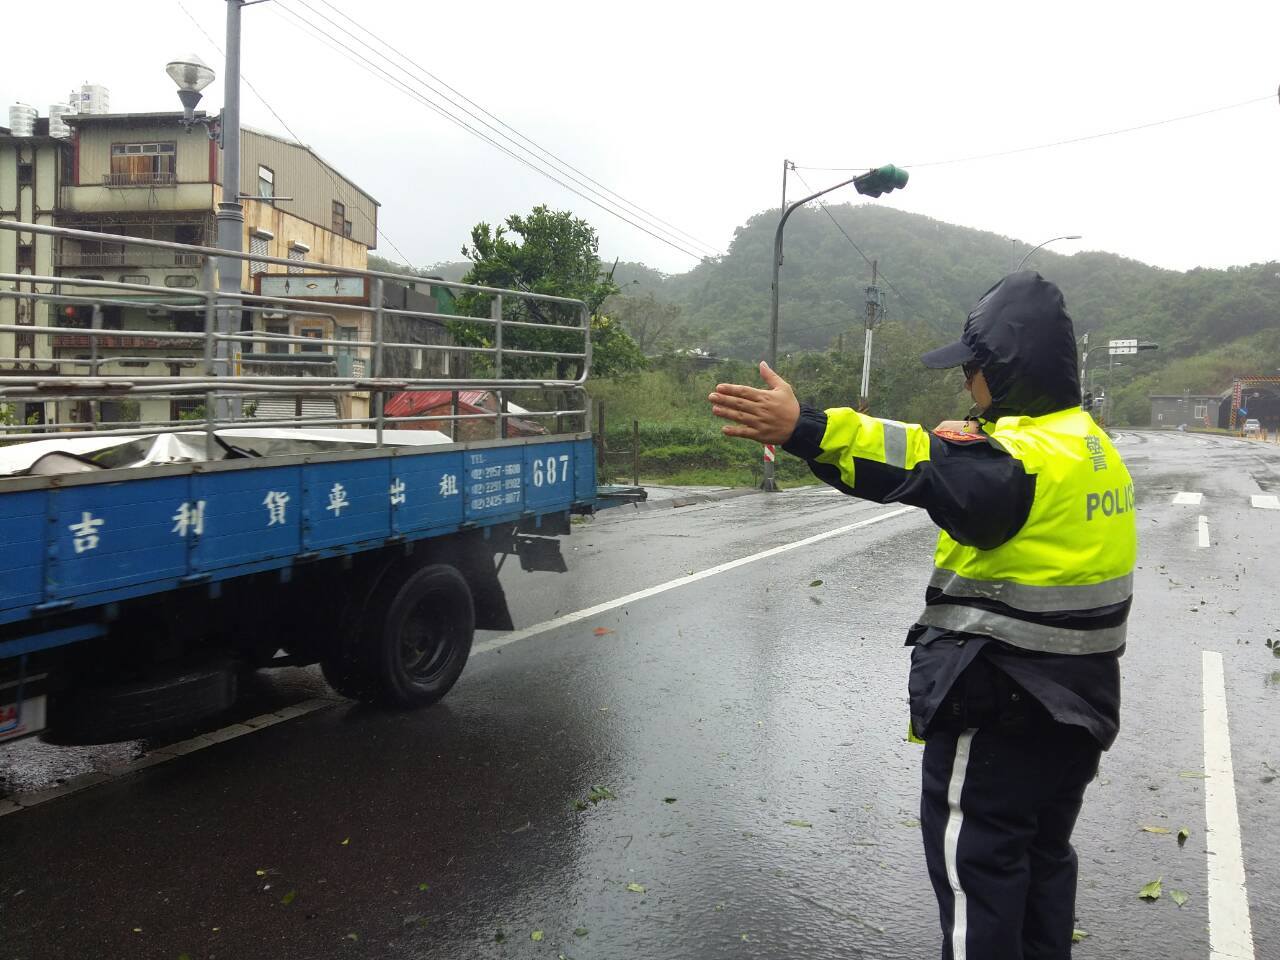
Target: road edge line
x,y
517,635
1230,932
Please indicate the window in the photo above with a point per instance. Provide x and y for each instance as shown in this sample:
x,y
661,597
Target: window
x,y
346,228
1202,411
296,253
184,322
266,181
313,333
339,217
280,329
142,164
259,246
26,174
179,280
26,256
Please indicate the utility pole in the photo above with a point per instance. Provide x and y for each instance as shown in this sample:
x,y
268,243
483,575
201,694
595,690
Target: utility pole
x,y
230,215
1084,369
873,183
875,305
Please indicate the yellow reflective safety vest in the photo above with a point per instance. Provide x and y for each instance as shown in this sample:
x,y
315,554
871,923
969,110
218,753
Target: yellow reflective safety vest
x,y
1063,582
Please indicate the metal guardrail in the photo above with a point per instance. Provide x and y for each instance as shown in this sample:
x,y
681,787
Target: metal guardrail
x,y
530,344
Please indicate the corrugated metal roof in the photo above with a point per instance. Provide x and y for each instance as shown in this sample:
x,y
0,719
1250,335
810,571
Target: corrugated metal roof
x,y
412,403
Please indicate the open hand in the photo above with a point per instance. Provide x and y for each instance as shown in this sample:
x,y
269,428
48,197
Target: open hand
x,y
769,415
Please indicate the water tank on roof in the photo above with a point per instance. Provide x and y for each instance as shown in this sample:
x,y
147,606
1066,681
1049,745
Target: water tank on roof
x,y
92,98
57,125
22,120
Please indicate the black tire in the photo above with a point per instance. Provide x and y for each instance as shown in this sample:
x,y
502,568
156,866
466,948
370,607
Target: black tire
x,y
416,636
134,710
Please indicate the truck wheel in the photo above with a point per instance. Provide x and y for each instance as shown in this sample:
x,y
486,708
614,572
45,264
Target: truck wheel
x,y
417,635
179,697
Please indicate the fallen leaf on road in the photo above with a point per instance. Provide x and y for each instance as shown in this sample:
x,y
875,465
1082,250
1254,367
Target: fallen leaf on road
x,y
636,887
536,936
911,823
261,873
1179,896
599,793
1193,775
1078,935
798,823
579,805
346,842
423,888
1155,829
1183,835
353,937
289,897
1151,891
499,937
602,631
816,583
669,799
581,932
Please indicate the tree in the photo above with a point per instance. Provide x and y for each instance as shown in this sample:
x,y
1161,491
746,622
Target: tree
x,y
557,254
652,323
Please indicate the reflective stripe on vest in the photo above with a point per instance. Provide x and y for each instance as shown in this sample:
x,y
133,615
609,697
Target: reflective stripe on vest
x,y
1036,599
1020,633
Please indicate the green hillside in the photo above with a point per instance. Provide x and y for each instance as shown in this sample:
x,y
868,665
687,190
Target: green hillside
x,y
1210,324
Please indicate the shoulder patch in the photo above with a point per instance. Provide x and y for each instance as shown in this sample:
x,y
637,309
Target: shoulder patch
x,y
958,436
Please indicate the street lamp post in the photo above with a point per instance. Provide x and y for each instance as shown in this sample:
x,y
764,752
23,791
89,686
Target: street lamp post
x,y
1071,236
192,76
872,183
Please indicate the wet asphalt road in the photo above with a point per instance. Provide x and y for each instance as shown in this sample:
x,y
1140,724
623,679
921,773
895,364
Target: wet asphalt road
x,y
713,714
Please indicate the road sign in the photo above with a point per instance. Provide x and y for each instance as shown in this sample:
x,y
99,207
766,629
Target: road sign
x,y
1121,351
1122,343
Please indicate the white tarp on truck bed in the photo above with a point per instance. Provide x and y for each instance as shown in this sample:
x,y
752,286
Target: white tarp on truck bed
x,y
87,454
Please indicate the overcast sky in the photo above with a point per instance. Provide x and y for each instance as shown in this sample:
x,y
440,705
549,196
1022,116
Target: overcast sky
x,y
688,109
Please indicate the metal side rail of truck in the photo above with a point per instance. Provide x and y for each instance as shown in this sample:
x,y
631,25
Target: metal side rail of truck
x,y
328,469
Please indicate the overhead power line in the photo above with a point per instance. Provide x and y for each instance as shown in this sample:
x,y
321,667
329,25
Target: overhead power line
x,y
1061,143
281,120
530,161
553,157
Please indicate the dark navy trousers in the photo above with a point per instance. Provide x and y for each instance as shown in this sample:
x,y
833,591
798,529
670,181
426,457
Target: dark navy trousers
x,y
997,810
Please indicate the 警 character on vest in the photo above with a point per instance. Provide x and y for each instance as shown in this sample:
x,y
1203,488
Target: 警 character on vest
x,y
1015,680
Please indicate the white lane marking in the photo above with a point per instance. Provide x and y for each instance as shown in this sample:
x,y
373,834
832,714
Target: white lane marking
x,y
1203,527
600,608
1266,501
1190,499
172,751
1230,933
951,845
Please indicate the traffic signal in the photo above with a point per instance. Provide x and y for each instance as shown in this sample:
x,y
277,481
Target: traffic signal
x,y
881,180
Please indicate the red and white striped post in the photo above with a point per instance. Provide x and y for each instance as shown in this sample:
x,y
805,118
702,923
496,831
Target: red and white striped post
x,y
770,455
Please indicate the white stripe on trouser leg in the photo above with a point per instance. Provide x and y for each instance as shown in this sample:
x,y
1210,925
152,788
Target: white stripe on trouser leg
x,y
950,844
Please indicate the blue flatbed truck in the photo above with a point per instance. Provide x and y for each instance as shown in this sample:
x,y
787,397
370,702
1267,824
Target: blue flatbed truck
x,y
133,596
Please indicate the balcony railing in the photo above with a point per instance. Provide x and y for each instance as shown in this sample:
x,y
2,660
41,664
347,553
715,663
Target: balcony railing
x,y
81,341
127,258
139,179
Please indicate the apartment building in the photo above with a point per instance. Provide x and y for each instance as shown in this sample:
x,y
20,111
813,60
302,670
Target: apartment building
x,y
31,168
148,175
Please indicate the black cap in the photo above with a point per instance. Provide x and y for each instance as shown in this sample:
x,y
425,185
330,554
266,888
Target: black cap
x,y
952,355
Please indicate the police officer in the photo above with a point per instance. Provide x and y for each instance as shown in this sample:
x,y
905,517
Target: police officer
x,y
1015,681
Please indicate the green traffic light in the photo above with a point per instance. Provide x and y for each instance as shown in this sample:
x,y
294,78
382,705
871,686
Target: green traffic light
x,y
881,180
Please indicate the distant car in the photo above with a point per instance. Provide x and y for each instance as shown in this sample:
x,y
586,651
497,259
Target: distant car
x,y
1252,428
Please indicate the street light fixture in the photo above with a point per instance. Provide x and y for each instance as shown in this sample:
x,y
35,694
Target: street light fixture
x,y
192,75
873,183
1071,236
